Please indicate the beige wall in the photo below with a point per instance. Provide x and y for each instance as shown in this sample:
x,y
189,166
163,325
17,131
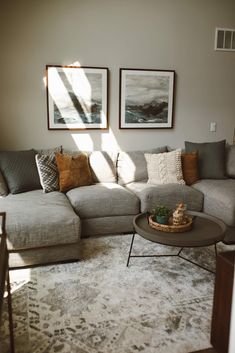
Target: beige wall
x,y
158,34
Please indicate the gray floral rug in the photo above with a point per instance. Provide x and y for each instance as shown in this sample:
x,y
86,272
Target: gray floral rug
x,y
98,305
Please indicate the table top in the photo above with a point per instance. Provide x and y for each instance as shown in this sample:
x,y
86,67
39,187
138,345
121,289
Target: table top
x,y
206,230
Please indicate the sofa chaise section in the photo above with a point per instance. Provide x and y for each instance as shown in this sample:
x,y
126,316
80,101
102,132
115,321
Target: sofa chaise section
x,y
219,201
41,228
104,208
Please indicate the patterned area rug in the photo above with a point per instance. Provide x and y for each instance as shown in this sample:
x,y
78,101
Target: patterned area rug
x,y
98,305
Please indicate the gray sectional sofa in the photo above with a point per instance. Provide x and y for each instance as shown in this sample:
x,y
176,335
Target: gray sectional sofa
x,y
47,227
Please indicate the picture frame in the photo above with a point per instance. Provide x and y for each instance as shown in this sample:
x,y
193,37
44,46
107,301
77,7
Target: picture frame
x,y
77,97
146,98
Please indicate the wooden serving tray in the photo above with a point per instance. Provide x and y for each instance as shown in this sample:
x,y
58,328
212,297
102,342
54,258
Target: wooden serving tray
x,y
170,228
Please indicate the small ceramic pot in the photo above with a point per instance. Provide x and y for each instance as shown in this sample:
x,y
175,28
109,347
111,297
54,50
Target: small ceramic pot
x,y
162,219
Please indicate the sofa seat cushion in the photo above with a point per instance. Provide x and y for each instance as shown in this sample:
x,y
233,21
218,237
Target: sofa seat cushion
x,y
103,200
107,225
219,198
35,219
169,195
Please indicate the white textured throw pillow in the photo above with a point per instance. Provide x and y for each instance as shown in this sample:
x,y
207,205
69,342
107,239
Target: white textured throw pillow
x,y
164,168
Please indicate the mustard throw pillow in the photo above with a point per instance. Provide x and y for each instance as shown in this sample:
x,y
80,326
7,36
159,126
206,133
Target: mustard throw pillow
x,y
74,171
190,167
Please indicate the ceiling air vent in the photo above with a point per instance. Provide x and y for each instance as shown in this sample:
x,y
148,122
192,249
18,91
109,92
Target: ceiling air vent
x,y
225,39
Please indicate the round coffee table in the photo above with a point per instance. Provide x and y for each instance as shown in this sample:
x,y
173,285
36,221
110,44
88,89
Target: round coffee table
x,y
206,230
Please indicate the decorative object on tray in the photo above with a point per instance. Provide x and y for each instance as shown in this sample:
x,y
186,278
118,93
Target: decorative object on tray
x,y
179,215
162,214
177,223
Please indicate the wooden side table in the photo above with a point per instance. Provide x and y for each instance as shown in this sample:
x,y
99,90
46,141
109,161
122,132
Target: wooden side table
x,y
4,277
222,305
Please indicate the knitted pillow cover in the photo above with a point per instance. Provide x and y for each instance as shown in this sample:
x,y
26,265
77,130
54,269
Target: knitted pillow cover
x,y
165,168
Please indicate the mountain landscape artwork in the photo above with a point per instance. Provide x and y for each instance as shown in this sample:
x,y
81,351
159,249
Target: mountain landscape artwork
x,y
77,97
146,98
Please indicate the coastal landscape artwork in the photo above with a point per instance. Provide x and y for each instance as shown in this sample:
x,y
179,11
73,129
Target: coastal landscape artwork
x,y
77,97
146,99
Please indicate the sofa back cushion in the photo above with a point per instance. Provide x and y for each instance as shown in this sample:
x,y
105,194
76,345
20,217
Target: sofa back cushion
x,y
19,170
132,166
103,166
230,161
49,151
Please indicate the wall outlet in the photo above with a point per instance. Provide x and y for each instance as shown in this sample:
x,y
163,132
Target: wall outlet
x,y
213,126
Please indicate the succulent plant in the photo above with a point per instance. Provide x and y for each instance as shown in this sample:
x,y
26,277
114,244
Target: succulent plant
x,y
161,210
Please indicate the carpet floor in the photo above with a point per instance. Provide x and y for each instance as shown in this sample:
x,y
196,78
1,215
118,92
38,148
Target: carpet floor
x,y
98,305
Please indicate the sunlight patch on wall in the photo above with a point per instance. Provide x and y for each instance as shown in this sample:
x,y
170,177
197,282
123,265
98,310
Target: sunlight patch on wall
x,y
98,141
109,141
76,63
83,142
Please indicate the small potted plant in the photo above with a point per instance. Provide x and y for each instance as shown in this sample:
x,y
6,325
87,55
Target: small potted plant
x,y
161,214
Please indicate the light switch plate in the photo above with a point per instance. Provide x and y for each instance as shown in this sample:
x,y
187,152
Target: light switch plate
x,y
213,126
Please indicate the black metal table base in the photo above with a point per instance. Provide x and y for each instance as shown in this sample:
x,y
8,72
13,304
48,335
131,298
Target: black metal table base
x,y
166,255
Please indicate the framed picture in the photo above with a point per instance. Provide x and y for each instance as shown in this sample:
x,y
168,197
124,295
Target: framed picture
x,y
146,99
77,97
